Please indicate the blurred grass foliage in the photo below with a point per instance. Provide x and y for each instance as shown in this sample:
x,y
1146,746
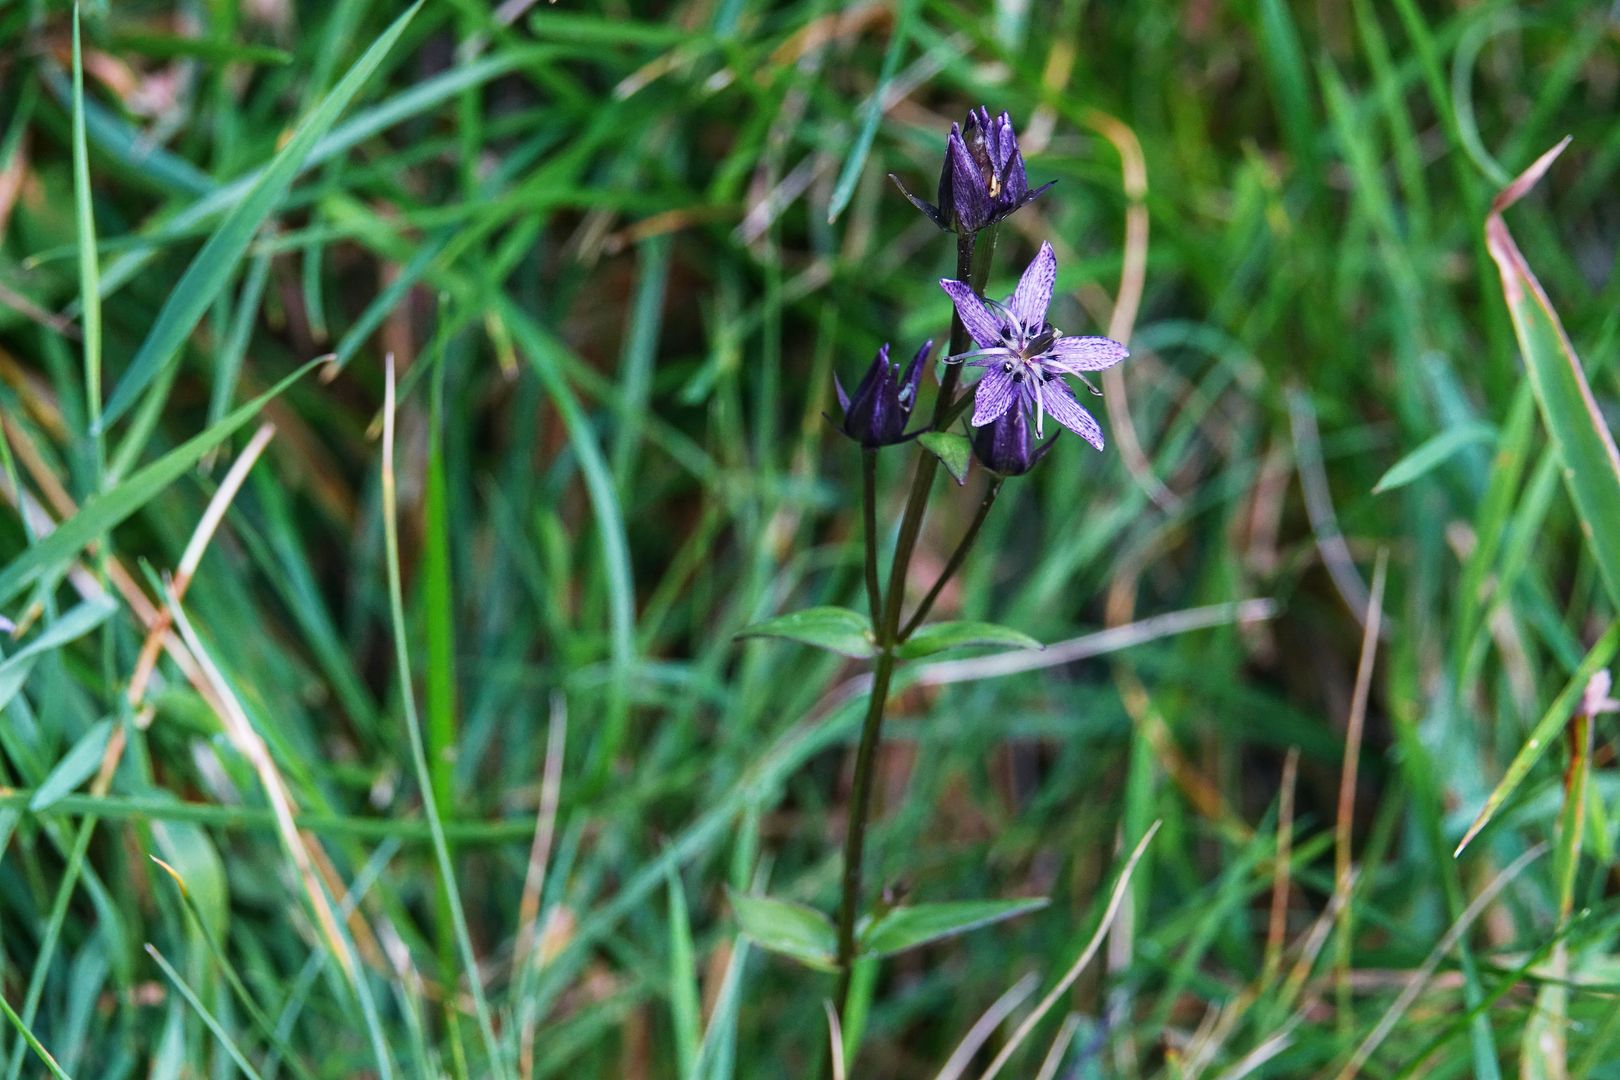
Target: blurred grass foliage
x,y
616,250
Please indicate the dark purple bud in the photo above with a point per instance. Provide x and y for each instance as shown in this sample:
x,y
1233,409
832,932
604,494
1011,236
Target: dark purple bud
x,y
1007,446
876,414
982,178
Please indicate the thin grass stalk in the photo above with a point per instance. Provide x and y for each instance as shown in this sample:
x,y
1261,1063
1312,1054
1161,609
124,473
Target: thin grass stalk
x,y
424,776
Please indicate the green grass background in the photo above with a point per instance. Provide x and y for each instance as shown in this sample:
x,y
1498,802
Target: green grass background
x,y
598,243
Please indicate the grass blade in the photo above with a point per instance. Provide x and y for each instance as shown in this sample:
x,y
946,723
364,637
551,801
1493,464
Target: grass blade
x,y
208,1018
1582,438
213,266
89,266
850,174
424,778
105,510
1541,736
33,1043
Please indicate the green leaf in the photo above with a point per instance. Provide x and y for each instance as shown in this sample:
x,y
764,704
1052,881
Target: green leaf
x,y
834,628
937,637
1579,435
952,449
219,50
1434,453
104,511
1546,730
791,929
686,1012
75,768
850,174
907,927
213,266
75,624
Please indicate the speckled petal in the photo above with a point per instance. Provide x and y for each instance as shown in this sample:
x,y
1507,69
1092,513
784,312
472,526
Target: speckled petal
x,y
995,394
983,326
1076,354
1034,293
1062,406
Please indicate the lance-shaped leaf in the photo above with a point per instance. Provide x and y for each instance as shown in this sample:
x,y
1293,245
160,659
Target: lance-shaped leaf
x,y
76,766
907,927
1582,440
791,929
834,628
952,449
937,637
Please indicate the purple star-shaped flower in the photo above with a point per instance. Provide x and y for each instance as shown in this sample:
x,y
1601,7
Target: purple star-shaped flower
x,y
1024,357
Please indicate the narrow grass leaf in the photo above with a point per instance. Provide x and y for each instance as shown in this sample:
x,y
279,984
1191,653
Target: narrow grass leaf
x,y
76,766
33,1043
217,50
685,1010
214,265
1542,735
418,745
1434,453
1582,438
208,1017
850,174
70,627
85,227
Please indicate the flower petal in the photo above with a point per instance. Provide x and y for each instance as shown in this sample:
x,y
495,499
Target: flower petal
x,y
984,327
968,205
1015,187
996,392
1076,354
1034,293
1061,404
913,375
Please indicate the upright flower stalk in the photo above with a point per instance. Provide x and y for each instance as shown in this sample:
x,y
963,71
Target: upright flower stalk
x,y
1023,361
1023,364
886,624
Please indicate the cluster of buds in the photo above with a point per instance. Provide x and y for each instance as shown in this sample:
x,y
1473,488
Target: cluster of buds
x,y
1023,358
982,178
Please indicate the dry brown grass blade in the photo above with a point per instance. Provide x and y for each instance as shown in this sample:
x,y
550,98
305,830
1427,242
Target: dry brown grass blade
x,y
1282,866
985,1026
1420,980
192,558
1344,821
1128,301
1115,899
534,878
239,730
835,1036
